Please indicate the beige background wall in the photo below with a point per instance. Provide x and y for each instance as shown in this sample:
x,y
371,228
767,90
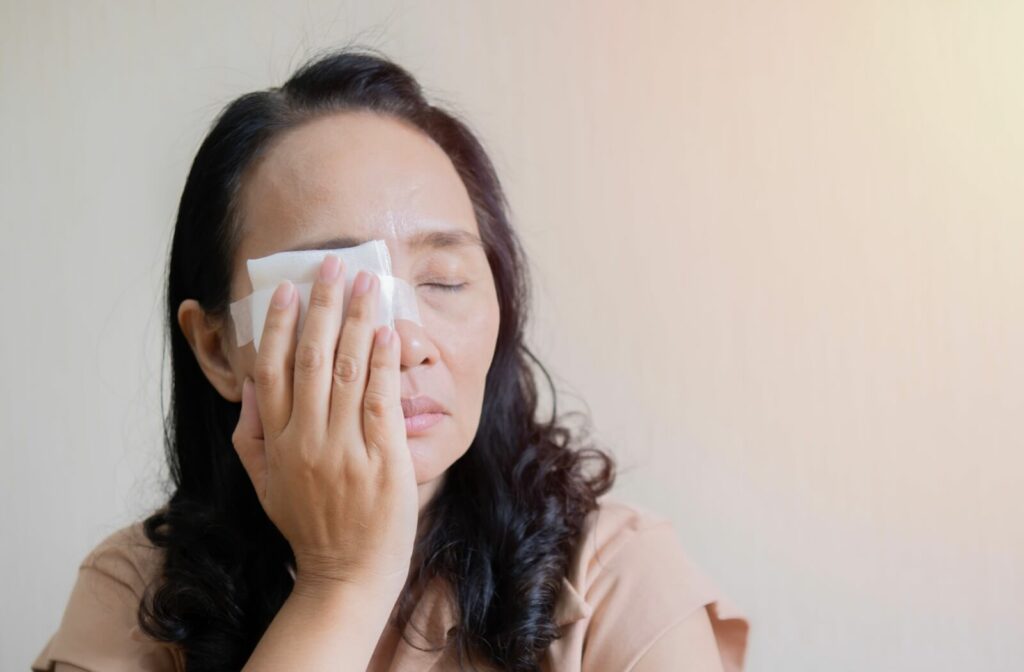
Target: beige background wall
x,y
777,251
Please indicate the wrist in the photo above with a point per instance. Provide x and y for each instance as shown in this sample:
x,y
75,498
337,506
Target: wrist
x,y
325,590
319,575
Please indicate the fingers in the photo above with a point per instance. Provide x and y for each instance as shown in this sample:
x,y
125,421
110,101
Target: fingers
x,y
314,355
248,440
383,421
351,361
272,372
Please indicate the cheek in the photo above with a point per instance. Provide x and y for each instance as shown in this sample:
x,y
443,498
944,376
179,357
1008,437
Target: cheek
x,y
466,351
467,348
469,345
465,329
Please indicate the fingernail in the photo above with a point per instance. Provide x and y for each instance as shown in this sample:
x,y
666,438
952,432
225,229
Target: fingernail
x,y
384,336
362,283
283,294
329,268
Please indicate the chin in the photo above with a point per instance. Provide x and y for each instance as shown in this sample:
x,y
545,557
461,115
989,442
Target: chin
x,y
423,459
431,456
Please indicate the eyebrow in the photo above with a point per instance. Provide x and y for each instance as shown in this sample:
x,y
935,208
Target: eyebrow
x,y
435,239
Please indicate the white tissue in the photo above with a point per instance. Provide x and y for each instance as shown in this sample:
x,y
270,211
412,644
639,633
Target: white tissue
x,y
397,297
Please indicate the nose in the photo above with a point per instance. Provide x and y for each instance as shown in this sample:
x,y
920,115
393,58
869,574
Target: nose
x,y
417,346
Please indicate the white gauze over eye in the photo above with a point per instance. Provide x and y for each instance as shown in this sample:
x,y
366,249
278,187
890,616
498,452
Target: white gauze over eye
x,y
397,297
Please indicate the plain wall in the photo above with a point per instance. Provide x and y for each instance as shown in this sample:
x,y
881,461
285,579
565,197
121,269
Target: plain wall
x,y
776,251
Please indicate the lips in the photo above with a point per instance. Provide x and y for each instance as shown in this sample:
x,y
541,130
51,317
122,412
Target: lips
x,y
421,413
421,405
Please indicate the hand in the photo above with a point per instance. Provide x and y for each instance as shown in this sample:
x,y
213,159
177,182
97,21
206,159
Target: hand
x,y
322,436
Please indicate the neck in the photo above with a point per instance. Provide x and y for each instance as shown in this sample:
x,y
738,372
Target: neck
x,y
427,491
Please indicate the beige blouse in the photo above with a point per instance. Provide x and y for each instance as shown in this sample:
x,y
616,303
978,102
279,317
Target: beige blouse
x,y
629,582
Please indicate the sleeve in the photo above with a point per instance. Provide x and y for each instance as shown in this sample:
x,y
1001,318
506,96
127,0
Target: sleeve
x,y
98,631
644,584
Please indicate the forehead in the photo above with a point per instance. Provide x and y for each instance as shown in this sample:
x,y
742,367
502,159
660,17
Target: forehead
x,y
350,177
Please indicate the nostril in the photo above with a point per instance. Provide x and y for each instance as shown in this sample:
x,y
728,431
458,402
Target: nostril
x,y
417,347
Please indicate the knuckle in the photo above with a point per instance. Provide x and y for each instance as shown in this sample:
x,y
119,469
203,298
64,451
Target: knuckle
x,y
302,452
346,369
353,473
308,358
377,404
359,309
301,466
374,447
380,362
320,297
265,375
306,457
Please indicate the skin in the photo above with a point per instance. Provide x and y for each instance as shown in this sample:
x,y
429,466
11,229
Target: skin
x,y
321,433
362,175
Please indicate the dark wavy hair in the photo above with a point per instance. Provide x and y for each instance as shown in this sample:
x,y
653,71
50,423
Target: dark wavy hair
x,y
510,512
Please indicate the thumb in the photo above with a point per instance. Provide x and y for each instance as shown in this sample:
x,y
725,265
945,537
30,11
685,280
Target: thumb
x,y
248,440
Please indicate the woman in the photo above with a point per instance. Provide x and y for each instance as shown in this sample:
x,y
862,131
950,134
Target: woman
x,y
357,498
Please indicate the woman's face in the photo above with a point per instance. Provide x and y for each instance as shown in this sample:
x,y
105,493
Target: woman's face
x,y
363,176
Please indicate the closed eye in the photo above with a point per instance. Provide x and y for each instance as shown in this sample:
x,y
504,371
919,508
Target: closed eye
x,y
446,288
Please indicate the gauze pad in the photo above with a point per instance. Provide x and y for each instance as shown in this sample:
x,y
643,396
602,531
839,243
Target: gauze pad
x,y
397,297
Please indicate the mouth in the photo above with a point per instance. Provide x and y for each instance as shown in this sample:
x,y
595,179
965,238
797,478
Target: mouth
x,y
421,413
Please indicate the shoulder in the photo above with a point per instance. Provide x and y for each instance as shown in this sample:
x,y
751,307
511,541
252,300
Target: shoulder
x,y
614,525
99,626
128,557
638,583
619,538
